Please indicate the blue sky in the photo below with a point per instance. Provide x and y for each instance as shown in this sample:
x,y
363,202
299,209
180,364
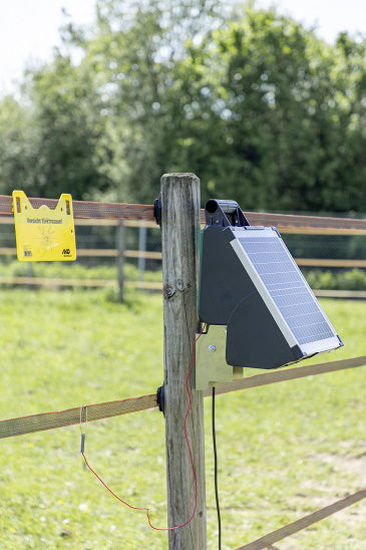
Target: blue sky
x,y
29,28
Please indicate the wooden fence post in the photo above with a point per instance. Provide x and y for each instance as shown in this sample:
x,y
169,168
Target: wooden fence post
x,y
142,248
180,198
120,245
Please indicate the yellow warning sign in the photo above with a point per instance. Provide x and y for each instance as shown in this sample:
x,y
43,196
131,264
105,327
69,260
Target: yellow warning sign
x,y
42,234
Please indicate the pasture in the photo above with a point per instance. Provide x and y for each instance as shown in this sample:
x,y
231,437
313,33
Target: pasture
x,y
284,450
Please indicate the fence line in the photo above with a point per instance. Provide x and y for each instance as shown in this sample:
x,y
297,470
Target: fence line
x,y
143,285
89,209
304,522
98,252
97,411
351,294
126,211
96,222
285,375
115,212
155,255
286,229
327,262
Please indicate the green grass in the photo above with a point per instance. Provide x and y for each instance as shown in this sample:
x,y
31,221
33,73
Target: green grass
x,y
75,270
284,450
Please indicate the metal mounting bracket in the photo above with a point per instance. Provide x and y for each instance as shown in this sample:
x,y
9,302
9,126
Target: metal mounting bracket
x,y
211,366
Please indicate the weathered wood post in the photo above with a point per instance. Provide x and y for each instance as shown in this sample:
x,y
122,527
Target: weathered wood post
x,y
142,250
180,200
120,245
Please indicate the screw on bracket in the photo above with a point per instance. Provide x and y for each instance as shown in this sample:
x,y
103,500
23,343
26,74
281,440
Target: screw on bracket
x,y
160,398
157,210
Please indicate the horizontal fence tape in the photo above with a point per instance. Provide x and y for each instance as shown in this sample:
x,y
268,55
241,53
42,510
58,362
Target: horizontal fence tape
x,y
287,374
90,222
304,522
58,419
290,223
98,411
89,209
125,211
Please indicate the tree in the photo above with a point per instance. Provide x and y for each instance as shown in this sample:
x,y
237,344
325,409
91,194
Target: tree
x,y
259,107
19,140
138,49
68,113
269,115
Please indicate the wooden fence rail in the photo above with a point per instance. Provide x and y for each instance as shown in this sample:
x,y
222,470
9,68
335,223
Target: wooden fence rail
x,y
149,255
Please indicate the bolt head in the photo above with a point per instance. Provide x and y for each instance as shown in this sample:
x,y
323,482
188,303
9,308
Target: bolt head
x,y
212,347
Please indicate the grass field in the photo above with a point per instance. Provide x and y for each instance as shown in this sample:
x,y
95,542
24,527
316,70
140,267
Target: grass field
x,y
284,450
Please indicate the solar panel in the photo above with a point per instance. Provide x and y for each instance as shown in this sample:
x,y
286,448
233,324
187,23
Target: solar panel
x,y
250,283
286,286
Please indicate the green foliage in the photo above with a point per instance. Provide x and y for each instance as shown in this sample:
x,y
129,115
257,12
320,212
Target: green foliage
x,y
68,114
55,142
271,110
19,140
354,279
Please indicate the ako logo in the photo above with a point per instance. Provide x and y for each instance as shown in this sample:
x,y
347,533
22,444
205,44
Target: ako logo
x,y
66,252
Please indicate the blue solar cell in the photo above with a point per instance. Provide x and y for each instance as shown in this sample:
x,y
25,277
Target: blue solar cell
x,y
287,287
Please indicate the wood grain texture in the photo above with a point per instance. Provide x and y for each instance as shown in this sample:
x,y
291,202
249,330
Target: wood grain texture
x,y
180,196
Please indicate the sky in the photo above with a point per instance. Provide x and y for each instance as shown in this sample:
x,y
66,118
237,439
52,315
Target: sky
x,y
29,29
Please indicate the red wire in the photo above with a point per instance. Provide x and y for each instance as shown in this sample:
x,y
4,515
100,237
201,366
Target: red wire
x,y
147,510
